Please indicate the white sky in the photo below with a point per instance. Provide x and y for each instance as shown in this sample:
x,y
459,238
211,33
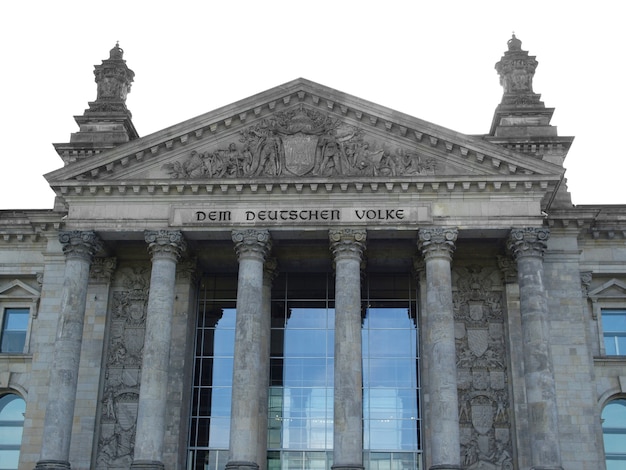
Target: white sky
x,y
433,60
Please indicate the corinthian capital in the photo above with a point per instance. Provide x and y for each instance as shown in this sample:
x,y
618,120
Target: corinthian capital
x,y
252,243
78,244
347,242
437,242
529,241
165,243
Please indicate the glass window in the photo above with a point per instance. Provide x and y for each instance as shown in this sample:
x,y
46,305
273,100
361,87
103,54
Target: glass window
x,y
12,409
614,328
14,326
213,371
614,431
300,407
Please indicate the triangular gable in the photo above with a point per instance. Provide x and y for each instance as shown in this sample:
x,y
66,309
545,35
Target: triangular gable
x,y
303,130
612,289
18,290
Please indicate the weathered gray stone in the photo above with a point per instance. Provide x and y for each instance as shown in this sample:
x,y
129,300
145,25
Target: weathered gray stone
x,y
347,246
438,346
528,246
79,249
165,248
252,247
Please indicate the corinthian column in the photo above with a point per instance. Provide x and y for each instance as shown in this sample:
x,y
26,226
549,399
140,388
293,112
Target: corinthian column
x,y
439,350
165,248
527,247
79,249
347,246
269,273
252,247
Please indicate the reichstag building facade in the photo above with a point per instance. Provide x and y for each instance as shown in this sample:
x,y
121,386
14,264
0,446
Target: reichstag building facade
x,y
305,280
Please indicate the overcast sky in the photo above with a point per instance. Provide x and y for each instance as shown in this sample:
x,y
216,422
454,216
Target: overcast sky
x,y
433,60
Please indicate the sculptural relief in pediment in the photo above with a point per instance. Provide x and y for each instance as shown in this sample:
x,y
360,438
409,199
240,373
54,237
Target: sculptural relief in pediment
x,y
302,142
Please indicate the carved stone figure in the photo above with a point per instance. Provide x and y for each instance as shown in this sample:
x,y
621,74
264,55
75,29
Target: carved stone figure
x,y
301,142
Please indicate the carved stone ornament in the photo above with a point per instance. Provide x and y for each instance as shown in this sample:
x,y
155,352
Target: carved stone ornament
x,y
77,244
516,69
347,242
437,241
485,427
252,243
529,241
165,243
102,269
301,142
124,351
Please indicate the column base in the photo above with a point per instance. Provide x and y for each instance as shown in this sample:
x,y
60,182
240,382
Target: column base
x,y
347,467
147,465
53,465
446,466
241,465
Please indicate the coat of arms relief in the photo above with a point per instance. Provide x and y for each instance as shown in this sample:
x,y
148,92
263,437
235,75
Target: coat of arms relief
x,y
482,374
119,404
302,142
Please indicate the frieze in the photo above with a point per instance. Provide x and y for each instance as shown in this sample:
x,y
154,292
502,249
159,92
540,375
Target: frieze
x,y
302,142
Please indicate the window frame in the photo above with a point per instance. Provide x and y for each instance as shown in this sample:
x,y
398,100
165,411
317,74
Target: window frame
x,y
13,447
606,312
18,294
3,318
620,430
611,295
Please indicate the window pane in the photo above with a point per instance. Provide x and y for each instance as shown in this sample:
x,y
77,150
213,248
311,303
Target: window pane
x,y
614,429
12,409
614,321
14,329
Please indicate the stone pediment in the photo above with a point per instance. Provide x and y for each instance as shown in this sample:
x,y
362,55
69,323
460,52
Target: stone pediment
x,y
302,132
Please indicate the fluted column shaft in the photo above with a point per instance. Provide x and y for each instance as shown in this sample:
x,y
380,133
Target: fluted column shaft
x,y
252,247
347,246
438,348
79,249
527,247
165,248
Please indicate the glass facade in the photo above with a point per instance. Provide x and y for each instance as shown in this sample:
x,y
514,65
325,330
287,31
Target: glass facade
x,y
300,409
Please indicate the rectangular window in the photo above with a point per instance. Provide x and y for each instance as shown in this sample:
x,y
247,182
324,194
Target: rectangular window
x,y
614,328
14,326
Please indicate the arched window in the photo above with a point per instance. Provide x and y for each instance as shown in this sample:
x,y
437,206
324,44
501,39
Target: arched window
x,y
12,408
614,431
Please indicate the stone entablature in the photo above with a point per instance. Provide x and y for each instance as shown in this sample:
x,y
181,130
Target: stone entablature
x,y
436,185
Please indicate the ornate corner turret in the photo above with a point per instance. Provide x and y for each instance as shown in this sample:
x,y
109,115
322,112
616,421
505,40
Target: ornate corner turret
x,y
107,122
521,121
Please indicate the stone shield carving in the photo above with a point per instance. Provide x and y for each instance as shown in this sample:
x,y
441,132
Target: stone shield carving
x,y
300,152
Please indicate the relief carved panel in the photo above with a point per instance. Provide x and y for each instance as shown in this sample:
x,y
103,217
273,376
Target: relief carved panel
x,y
123,369
483,391
302,142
